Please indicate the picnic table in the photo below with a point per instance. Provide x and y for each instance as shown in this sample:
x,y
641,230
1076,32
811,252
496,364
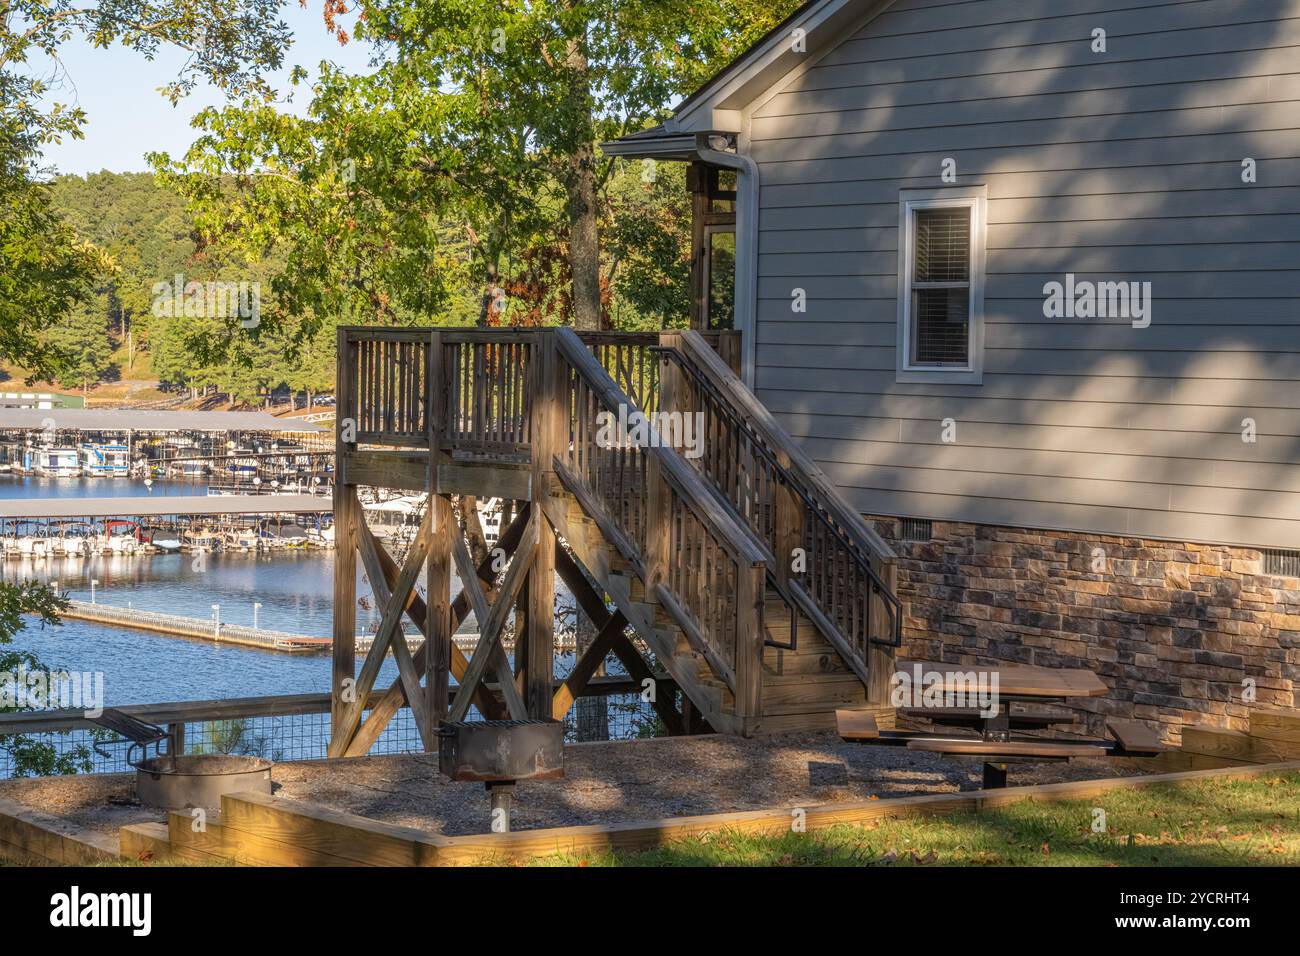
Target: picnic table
x,y
1027,698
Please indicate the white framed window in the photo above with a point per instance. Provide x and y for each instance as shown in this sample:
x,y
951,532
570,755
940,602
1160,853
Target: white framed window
x,y
941,284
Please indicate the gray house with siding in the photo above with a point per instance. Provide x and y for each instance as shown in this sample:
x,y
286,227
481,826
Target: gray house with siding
x,y
1027,273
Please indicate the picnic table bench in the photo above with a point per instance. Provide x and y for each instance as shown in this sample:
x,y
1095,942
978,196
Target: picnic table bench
x,y
1028,698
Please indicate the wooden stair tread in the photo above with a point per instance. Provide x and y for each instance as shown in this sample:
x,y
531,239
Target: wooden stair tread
x,y
856,725
1135,737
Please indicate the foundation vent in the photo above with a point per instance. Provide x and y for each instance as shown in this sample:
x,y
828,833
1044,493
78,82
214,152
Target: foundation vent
x,y
1284,564
917,529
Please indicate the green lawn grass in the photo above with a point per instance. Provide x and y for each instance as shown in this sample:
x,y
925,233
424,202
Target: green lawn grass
x,y
1254,822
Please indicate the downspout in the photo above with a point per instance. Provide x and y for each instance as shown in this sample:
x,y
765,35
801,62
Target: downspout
x,y
746,247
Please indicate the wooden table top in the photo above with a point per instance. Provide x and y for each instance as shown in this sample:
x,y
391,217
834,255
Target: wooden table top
x,y
1015,680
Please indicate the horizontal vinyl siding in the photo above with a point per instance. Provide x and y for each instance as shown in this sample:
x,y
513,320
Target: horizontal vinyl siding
x,y
1123,166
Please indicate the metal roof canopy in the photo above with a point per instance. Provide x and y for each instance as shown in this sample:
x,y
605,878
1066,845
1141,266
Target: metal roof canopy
x,y
136,506
142,420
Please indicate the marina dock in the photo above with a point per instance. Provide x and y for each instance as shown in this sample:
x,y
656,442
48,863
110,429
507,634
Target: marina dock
x,y
194,627
206,629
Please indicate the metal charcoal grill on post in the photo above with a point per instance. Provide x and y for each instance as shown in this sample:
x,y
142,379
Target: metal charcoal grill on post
x,y
498,753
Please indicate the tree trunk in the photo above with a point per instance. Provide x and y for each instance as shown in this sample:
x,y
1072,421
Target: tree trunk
x,y
489,294
584,239
580,190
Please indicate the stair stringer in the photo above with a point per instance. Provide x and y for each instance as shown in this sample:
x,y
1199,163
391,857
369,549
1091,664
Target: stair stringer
x,y
597,555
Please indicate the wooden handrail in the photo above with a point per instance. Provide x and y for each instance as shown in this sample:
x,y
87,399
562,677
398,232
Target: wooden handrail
x,y
757,414
730,533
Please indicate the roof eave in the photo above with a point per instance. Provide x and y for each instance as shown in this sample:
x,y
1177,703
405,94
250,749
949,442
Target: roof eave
x,y
720,105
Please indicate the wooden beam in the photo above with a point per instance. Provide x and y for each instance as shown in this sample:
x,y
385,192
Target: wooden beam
x,y
346,516
594,607
492,480
389,624
404,470
408,676
487,704
490,629
438,616
539,635
586,666
477,591
394,698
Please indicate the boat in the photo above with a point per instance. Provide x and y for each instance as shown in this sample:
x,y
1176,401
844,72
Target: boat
x,y
321,537
58,462
35,547
123,536
240,539
200,540
104,461
163,540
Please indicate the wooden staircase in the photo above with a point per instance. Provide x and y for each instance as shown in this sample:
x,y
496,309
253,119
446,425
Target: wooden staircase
x,y
749,581
783,666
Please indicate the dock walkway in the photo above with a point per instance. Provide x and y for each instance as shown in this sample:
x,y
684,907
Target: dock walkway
x,y
205,629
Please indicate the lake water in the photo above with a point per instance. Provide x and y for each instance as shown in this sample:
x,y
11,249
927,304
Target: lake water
x,y
36,486
294,589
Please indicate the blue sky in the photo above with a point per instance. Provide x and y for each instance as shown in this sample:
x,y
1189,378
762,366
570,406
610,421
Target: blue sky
x,y
127,116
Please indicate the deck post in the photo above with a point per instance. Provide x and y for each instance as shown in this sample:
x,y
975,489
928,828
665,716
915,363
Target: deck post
x,y
880,658
789,520
346,515
548,427
658,495
751,581
438,623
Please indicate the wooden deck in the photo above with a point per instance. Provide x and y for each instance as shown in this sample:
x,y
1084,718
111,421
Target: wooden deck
x,y
757,590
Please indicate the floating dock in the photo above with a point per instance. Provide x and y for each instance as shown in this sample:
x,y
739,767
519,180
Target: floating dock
x,y
193,627
205,629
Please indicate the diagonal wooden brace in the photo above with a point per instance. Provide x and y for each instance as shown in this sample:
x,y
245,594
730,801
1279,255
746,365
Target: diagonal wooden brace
x,y
490,629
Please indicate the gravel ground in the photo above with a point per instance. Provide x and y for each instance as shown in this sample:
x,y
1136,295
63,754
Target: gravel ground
x,y
604,783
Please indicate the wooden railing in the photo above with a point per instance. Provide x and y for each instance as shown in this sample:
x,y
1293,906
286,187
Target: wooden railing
x,y
485,403
689,552
709,537
390,386
821,556
481,406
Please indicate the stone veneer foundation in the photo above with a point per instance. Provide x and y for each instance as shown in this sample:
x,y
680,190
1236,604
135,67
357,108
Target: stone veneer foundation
x,y
1174,629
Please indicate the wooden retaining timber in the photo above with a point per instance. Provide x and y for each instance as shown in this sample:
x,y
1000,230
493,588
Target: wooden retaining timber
x,y
30,836
695,554
1272,735
260,830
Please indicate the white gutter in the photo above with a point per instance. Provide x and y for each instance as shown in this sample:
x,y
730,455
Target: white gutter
x,y
746,305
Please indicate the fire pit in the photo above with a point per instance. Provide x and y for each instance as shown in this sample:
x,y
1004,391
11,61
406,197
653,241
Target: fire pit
x,y
499,752
175,783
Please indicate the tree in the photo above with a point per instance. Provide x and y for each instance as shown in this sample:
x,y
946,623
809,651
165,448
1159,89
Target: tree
x,y
80,345
44,267
557,76
469,154
44,270
146,235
